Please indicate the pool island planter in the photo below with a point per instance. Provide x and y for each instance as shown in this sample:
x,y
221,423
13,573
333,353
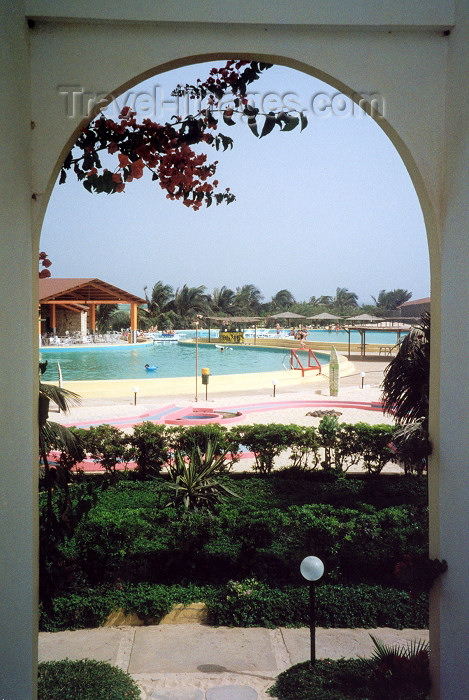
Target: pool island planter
x,y
203,416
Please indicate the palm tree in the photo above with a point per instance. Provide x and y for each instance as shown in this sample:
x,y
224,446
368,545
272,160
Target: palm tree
x,y
407,377
161,295
388,301
54,435
104,314
187,302
282,300
323,300
344,299
248,299
222,301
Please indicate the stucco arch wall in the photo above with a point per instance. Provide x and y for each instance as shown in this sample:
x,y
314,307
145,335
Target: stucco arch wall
x,y
423,78
104,58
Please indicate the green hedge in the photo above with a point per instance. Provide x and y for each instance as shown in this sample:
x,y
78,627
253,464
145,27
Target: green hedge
x,y
345,679
84,680
334,446
131,536
130,548
248,603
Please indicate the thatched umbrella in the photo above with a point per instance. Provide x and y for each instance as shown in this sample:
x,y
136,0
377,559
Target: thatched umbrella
x,y
288,314
324,317
364,317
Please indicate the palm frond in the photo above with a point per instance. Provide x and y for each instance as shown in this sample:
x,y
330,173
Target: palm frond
x,y
54,436
60,396
406,379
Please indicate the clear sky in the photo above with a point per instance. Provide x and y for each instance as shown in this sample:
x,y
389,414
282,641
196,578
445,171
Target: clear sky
x,y
332,206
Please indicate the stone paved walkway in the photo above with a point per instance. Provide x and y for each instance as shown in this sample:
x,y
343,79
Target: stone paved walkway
x,y
198,662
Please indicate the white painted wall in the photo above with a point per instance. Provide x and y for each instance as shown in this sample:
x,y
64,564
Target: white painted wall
x,y
450,492
388,46
18,370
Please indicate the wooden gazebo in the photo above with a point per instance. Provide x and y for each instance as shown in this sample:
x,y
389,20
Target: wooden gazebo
x,y
78,295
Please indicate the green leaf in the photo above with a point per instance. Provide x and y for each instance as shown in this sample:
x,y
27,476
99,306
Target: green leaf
x,y
250,111
226,141
228,120
269,124
252,124
303,120
290,123
211,119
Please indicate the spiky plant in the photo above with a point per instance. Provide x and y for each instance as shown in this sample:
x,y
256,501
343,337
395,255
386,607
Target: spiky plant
x,y
193,477
400,672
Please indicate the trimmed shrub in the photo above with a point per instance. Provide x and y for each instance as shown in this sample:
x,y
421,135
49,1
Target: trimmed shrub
x,y
304,448
266,441
84,680
251,604
374,441
247,603
149,601
131,535
398,675
345,679
107,445
149,448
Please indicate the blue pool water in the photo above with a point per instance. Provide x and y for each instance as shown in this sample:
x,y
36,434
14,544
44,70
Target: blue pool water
x,y
171,359
178,360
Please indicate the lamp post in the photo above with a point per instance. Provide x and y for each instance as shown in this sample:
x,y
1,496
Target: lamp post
x,y
312,569
274,384
362,375
135,390
197,356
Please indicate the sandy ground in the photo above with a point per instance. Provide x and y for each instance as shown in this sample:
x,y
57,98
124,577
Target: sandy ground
x,y
253,395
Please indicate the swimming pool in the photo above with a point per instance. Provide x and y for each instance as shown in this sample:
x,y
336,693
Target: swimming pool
x,y
171,360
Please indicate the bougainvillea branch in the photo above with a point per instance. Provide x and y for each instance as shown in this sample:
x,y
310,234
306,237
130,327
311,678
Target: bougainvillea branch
x,y
166,149
45,263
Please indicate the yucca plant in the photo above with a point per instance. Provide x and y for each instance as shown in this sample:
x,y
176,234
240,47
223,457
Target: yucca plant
x,y
400,672
193,477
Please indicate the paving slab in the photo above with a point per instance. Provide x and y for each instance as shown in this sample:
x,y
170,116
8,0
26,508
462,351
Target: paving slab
x,y
180,693
191,662
342,643
189,648
231,692
101,644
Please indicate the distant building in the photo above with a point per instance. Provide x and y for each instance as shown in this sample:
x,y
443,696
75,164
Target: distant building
x,y
414,308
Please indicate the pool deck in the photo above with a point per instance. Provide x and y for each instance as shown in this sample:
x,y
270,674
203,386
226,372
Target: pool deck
x,y
251,394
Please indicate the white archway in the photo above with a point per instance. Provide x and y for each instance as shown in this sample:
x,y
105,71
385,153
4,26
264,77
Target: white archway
x,y
401,52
